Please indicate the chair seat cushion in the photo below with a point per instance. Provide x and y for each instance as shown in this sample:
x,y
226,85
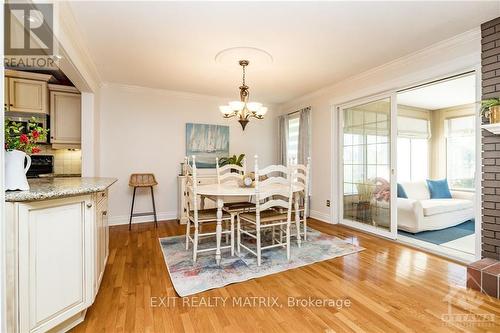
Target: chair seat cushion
x,y
209,214
265,216
440,206
238,206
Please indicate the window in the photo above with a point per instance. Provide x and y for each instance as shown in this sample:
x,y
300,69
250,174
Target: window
x,y
293,138
413,159
413,149
460,152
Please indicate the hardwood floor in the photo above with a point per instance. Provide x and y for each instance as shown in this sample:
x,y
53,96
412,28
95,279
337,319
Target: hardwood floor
x,y
391,288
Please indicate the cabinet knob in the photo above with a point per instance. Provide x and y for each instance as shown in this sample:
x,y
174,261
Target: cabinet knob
x,y
89,205
105,212
11,104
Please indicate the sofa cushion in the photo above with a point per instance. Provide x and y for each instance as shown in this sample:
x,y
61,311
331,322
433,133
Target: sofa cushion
x,y
416,190
440,206
402,192
439,189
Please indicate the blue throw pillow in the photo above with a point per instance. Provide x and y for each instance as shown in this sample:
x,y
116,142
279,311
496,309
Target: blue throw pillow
x,y
439,189
402,192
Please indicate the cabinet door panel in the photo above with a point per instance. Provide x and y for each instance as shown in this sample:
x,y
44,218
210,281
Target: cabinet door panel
x,y
27,95
54,263
6,93
65,117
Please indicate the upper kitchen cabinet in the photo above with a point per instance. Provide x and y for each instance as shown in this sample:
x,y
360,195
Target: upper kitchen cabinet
x,y
26,92
65,116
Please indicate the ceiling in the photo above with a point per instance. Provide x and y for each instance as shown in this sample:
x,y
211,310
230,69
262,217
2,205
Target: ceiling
x,y
445,94
172,45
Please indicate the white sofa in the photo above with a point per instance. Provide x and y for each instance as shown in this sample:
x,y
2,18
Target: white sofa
x,y
420,213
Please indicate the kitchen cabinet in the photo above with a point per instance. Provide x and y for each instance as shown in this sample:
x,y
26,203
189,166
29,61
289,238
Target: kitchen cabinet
x,y
26,92
65,117
6,93
101,238
55,261
56,255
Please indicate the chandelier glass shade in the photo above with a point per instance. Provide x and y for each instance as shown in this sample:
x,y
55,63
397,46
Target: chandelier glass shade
x,y
243,109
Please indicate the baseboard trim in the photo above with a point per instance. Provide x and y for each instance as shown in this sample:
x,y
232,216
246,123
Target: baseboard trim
x,y
320,216
123,219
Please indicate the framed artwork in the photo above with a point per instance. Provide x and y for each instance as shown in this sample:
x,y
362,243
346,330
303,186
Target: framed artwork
x,y
207,142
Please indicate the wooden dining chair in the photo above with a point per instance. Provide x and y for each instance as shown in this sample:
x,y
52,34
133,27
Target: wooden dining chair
x,y
270,213
198,217
232,173
301,178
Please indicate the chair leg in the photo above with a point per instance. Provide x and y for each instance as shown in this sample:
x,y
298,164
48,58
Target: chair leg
x,y
232,235
131,210
238,241
227,228
288,241
188,232
297,227
258,247
195,243
305,226
154,207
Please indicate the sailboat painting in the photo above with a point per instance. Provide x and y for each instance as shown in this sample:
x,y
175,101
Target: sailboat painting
x,y
206,142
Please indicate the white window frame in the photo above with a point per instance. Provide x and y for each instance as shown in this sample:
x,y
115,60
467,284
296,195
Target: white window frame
x,y
473,189
428,155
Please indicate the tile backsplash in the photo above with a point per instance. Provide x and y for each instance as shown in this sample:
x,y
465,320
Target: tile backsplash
x,y
66,161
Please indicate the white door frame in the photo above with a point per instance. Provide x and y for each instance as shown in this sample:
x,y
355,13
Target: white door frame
x,y
392,233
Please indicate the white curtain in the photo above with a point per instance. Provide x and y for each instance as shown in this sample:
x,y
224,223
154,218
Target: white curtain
x,y
304,150
283,139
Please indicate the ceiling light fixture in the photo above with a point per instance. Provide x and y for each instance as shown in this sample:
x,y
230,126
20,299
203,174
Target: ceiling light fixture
x,y
243,108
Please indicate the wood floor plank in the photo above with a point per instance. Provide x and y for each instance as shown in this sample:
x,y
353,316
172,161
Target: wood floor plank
x,y
391,287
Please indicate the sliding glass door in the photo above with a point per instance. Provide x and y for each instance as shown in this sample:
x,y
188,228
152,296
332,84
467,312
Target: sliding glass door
x,y
367,167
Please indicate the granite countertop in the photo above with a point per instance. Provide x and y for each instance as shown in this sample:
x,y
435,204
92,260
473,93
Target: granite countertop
x,y
52,188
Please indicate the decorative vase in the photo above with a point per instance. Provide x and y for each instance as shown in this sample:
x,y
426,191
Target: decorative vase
x,y
15,171
494,114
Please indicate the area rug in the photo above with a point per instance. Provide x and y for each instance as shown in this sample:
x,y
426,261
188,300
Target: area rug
x,y
439,237
205,274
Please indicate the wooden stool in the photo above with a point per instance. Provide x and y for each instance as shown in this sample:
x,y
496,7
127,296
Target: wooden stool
x,y
142,180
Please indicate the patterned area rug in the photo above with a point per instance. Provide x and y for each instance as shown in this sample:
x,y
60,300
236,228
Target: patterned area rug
x,y
205,274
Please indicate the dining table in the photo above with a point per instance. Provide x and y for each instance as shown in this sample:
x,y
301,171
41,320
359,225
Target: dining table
x,y
220,192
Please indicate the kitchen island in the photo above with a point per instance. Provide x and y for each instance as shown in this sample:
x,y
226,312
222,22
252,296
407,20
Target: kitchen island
x,y
57,249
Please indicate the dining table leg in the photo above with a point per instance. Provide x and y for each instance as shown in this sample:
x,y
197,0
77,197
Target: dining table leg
x,y
218,229
297,218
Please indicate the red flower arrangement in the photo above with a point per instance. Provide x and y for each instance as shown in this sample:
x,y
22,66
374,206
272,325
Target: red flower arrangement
x,y
27,142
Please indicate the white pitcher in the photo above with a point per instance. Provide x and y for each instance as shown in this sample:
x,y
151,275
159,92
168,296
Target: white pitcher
x,y
15,172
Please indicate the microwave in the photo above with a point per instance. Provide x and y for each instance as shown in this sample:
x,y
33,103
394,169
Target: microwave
x,y
23,117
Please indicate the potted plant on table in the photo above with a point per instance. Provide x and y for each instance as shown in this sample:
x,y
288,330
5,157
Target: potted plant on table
x,y
490,108
237,160
20,142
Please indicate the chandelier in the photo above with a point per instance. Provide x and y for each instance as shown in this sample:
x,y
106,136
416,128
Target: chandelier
x,y
243,108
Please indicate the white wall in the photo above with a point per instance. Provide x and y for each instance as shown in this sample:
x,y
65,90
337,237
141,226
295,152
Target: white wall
x,y
143,130
443,59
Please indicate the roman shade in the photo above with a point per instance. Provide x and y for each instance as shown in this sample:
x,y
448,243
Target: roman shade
x,y
413,128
